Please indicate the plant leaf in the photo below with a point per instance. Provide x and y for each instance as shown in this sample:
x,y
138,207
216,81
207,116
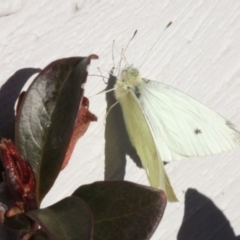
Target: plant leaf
x,y
40,235
46,118
69,219
83,120
18,175
123,210
18,222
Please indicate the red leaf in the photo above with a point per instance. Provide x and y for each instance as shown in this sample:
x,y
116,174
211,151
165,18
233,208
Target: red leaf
x,y
84,118
18,175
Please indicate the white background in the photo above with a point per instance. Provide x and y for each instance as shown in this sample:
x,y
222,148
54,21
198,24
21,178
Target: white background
x,y
199,55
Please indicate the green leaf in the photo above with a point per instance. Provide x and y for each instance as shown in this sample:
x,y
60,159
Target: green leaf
x,y
40,235
123,210
69,219
46,118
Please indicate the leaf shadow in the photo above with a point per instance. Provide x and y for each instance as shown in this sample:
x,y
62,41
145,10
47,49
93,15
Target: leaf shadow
x,y
203,220
117,142
9,93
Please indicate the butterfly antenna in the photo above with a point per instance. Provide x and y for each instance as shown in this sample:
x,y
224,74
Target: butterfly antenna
x,y
122,54
168,25
134,34
120,62
113,59
125,49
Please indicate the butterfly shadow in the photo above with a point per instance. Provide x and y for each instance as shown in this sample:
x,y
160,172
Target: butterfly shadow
x,y
117,142
203,220
9,93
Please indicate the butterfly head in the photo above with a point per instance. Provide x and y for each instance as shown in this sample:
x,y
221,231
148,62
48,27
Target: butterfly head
x,y
129,74
128,80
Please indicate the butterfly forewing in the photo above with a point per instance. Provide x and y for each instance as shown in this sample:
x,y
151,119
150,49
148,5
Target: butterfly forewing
x,y
182,126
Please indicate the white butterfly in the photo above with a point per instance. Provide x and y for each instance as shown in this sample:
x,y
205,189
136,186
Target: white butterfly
x,y
165,124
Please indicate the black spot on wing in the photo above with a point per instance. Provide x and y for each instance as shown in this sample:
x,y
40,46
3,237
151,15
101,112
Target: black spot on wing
x,y
197,131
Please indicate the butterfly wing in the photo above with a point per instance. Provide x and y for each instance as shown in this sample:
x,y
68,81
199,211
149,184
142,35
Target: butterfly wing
x,y
142,139
182,126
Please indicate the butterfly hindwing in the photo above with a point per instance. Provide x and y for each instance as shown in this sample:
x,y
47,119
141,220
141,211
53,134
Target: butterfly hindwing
x,y
142,139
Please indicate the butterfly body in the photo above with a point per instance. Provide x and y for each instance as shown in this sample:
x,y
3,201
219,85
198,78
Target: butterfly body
x,y
165,124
